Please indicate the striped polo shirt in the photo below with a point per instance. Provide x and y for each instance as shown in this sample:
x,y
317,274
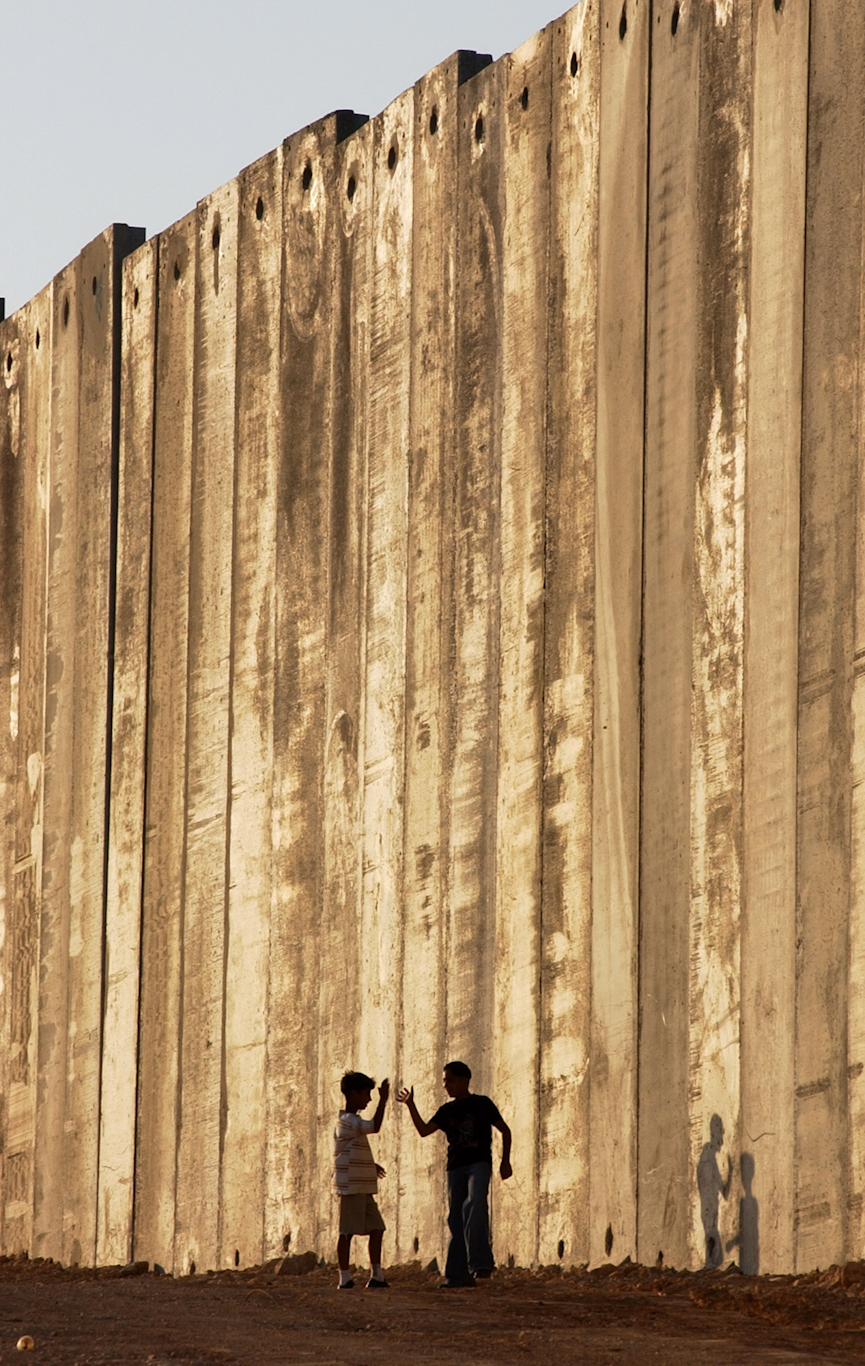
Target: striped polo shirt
x,y
354,1170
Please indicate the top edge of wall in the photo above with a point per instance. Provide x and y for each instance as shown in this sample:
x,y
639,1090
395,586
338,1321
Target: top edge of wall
x,y
345,122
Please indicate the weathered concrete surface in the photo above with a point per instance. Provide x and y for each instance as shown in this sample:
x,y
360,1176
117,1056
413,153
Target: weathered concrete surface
x,y
568,692
664,1179
780,46
161,923
831,455
613,563
26,398
129,751
253,653
339,932
473,496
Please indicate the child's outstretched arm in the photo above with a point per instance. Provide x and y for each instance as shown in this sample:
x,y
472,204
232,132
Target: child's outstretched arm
x,y
505,1169
383,1093
406,1097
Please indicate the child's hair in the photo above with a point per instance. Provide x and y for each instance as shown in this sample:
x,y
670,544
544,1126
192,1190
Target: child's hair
x,y
355,1081
458,1069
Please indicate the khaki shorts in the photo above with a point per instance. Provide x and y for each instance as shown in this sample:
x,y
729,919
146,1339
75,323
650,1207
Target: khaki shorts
x,y
359,1215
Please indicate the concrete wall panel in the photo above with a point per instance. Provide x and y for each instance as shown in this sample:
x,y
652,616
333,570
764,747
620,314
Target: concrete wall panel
x,y
665,1182
830,449
718,374
161,925
253,646
129,746
15,969
524,111
429,609
26,439
621,140
566,965
293,1135
339,995
57,806
383,736
470,962
780,49
205,892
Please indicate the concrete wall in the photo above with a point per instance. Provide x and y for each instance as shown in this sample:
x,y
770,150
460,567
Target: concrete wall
x,y
431,626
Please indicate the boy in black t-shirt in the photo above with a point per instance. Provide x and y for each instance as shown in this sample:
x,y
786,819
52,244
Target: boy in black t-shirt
x,y
468,1121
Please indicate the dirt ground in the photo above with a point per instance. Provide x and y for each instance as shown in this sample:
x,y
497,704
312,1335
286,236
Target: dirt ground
x,y
613,1315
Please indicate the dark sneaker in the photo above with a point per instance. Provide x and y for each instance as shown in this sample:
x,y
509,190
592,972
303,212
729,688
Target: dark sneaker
x,y
373,1284
457,1285
349,1285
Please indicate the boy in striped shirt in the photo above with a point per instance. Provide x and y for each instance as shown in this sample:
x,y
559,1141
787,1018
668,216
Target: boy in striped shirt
x,y
355,1176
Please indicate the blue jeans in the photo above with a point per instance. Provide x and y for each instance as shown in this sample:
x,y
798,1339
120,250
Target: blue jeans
x,y
469,1222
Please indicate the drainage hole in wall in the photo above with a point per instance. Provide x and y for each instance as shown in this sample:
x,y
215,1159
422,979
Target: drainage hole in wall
x,y
416,1245
38,339
674,22
135,297
93,285
608,1240
524,97
351,187
391,157
177,270
214,241
8,360
479,128
237,1256
575,63
623,22
306,178
434,121
65,311
561,1248
259,208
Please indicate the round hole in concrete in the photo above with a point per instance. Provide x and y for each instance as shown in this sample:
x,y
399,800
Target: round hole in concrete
x,y
392,156
479,128
575,63
259,208
434,121
623,22
524,97
351,187
306,178
674,22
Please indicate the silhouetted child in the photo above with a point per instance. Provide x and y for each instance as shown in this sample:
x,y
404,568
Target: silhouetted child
x,y
468,1121
355,1176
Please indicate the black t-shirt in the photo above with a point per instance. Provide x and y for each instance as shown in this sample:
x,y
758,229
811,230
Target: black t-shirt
x,y
467,1124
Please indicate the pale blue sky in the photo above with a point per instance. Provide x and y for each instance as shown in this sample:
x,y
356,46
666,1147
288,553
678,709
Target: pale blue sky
x,y
119,112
